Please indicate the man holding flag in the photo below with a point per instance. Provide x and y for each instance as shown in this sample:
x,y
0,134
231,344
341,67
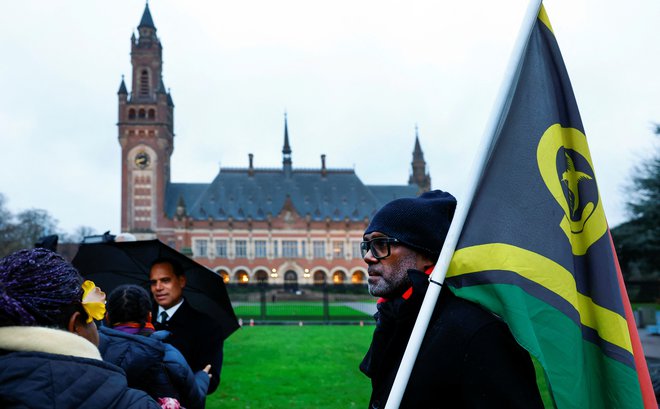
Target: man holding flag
x,y
468,358
531,243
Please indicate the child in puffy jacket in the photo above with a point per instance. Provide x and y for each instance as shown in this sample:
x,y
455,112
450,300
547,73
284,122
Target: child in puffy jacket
x,y
151,365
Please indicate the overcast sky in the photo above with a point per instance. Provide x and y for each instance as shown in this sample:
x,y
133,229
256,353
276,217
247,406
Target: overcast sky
x,y
354,76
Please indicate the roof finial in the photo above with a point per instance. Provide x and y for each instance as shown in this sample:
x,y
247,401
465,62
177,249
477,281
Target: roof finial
x,y
286,150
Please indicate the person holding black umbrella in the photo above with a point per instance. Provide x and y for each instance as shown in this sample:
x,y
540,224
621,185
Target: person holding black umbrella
x,y
195,334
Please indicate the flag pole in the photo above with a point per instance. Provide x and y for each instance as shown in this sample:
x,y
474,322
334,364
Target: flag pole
x,y
437,277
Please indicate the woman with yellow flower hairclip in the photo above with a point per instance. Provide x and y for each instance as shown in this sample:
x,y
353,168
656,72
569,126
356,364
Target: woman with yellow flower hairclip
x,y
48,338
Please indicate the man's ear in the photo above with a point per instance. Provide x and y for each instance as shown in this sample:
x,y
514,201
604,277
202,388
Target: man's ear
x,y
182,280
424,262
76,323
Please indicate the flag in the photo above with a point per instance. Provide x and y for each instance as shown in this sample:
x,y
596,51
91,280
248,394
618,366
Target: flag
x,y
535,248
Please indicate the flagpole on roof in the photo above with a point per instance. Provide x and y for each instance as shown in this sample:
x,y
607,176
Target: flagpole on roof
x,y
437,277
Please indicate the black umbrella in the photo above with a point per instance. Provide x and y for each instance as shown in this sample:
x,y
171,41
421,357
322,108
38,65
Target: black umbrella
x,y
111,264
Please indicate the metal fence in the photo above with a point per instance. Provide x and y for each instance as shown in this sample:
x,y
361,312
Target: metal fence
x,y
344,303
282,303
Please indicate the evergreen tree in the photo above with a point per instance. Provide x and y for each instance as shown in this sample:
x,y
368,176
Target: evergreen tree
x,y
637,241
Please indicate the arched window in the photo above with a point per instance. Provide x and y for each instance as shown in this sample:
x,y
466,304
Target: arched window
x,y
131,113
338,277
152,114
261,276
144,83
357,277
142,113
242,277
319,277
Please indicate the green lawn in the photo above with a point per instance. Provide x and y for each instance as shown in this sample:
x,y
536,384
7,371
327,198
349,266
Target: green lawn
x,y
294,367
290,310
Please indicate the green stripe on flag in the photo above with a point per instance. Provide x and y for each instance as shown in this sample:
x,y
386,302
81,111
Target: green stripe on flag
x,y
577,369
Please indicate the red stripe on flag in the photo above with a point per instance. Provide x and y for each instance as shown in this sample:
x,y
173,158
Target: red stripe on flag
x,y
648,396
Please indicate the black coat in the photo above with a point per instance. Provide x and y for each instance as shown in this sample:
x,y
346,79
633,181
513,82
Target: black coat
x,y
468,358
154,367
199,339
31,379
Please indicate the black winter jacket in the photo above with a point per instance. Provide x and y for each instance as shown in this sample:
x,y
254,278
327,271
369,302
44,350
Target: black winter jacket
x,y
51,368
154,366
468,358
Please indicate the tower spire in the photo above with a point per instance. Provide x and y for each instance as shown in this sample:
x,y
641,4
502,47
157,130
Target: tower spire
x,y
417,152
122,87
146,20
286,150
419,176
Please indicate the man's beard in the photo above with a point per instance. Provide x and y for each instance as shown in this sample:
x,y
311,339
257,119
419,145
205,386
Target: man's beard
x,y
393,281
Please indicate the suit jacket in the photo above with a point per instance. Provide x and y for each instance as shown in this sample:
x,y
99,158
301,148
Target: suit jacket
x,y
199,339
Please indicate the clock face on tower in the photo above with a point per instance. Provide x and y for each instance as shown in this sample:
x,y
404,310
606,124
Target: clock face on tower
x,y
142,160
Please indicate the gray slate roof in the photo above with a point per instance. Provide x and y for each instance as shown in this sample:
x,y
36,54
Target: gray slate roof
x,y
237,194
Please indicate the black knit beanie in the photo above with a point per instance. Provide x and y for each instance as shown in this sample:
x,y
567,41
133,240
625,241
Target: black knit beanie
x,y
420,222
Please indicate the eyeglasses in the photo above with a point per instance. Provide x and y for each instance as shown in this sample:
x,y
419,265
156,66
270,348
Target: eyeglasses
x,y
380,247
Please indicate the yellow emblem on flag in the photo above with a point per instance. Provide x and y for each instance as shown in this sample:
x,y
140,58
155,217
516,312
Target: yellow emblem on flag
x,y
584,218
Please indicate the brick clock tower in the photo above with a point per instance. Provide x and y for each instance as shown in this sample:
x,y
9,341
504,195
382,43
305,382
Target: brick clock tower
x,y
146,134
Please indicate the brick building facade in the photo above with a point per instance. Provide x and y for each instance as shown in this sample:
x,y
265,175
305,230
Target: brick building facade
x,y
278,225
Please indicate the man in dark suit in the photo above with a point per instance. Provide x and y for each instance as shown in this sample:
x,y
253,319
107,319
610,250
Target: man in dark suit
x,y
195,334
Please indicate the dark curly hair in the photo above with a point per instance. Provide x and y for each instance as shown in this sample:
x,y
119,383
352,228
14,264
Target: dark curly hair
x,y
38,288
128,303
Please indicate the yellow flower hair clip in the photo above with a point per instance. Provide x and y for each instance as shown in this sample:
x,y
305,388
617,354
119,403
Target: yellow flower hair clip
x,y
93,301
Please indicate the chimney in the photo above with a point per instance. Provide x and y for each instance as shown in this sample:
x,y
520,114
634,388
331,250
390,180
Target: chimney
x,y
251,167
324,171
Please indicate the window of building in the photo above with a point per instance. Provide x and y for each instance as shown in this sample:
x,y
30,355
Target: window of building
x,y
144,83
275,250
260,248
339,277
355,249
338,249
303,248
201,248
242,277
318,247
289,248
241,248
221,248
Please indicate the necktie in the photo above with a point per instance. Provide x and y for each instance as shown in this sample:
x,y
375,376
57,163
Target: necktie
x,y
163,317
